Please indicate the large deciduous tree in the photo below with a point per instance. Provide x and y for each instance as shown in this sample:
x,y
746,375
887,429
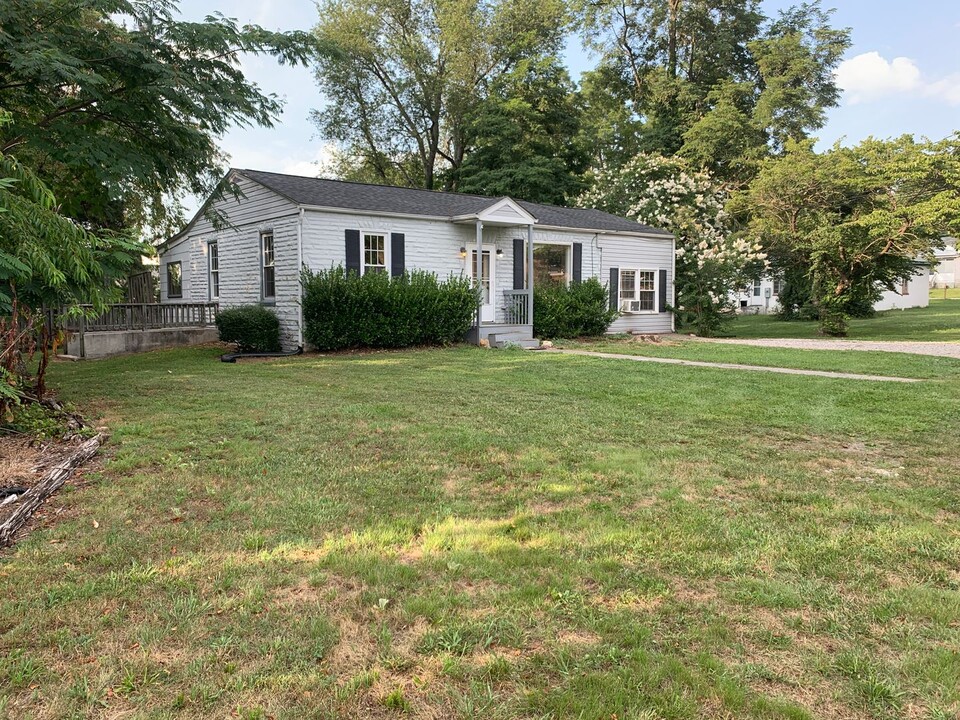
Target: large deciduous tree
x,y
524,138
717,82
403,78
855,220
118,104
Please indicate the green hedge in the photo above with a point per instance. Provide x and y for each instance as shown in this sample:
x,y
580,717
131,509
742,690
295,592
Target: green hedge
x,y
580,310
344,310
252,327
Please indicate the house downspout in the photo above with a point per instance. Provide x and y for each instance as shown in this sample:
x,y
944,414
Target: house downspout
x,y
673,284
479,278
299,283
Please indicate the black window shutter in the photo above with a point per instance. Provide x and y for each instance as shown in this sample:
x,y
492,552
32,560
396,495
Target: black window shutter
x,y
614,288
518,281
352,238
663,292
577,262
396,254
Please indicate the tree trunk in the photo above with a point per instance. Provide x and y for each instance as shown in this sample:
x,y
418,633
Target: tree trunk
x,y
672,33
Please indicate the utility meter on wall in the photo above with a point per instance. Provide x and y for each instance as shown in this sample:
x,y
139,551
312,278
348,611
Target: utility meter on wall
x,y
767,292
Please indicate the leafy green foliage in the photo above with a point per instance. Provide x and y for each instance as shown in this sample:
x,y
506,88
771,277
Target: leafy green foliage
x,y
120,103
47,262
520,137
719,83
402,78
253,328
344,310
711,260
855,220
580,310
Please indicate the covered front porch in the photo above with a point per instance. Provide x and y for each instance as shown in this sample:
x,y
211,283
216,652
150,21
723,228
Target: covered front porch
x,y
505,312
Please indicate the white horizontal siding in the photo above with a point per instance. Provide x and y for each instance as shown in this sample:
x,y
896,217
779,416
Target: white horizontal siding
x,y
430,245
642,254
258,211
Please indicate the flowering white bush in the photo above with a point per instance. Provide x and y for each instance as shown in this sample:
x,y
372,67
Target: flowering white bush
x,y
711,261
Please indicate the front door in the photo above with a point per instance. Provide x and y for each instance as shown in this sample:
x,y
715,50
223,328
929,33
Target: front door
x,y
488,282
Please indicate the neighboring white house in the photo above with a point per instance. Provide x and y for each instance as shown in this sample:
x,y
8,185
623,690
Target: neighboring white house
x,y
763,295
281,223
946,272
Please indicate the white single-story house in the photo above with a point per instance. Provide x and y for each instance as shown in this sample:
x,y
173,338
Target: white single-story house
x,y
281,223
762,296
946,272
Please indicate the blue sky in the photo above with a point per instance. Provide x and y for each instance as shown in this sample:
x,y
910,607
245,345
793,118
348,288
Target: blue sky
x,y
902,75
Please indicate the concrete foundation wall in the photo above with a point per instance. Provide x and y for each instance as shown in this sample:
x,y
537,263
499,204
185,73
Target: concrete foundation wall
x,y
106,344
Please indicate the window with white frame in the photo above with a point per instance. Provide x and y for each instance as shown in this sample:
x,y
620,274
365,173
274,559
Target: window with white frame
x,y
756,288
374,253
778,284
213,257
269,288
638,291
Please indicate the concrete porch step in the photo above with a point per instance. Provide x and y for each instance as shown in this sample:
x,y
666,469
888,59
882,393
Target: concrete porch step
x,y
513,339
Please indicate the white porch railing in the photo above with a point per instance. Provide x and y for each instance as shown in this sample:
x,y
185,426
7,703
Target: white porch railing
x,y
516,307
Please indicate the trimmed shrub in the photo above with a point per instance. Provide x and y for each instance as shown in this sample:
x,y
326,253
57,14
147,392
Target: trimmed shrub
x,y
344,310
252,327
580,310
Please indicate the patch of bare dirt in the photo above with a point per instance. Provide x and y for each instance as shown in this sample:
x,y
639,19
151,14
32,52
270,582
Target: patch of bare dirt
x,y
23,463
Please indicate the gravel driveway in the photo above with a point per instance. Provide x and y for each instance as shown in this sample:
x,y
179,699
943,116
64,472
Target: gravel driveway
x,y
941,349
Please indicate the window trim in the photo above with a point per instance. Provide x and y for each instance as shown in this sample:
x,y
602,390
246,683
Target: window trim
x,y
263,266
210,271
179,264
656,291
387,236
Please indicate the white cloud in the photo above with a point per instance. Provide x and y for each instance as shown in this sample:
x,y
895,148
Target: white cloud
x,y
316,167
947,89
869,76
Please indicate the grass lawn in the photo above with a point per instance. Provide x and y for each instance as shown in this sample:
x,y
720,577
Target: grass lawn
x,y
938,322
495,534
860,362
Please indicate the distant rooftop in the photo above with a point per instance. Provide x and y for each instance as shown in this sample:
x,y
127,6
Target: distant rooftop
x,y
412,201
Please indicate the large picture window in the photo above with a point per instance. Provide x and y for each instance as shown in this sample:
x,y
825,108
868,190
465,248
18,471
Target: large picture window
x,y
638,291
174,280
269,271
374,253
551,265
213,256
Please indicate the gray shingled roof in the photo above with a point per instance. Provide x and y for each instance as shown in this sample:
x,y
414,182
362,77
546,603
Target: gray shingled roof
x,y
411,201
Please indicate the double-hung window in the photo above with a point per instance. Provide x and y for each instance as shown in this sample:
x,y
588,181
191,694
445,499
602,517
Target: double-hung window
x,y
778,284
756,288
374,253
213,257
269,283
638,291
174,280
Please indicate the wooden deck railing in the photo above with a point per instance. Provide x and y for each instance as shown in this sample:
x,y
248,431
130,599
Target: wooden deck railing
x,y
516,307
145,316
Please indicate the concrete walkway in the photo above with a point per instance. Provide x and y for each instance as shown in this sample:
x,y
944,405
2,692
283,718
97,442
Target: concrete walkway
x,y
732,366
939,349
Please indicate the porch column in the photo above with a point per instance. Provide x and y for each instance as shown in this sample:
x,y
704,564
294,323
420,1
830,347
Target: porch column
x,y
479,276
530,274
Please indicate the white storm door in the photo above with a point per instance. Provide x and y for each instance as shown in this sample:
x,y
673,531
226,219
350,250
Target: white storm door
x,y
488,281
